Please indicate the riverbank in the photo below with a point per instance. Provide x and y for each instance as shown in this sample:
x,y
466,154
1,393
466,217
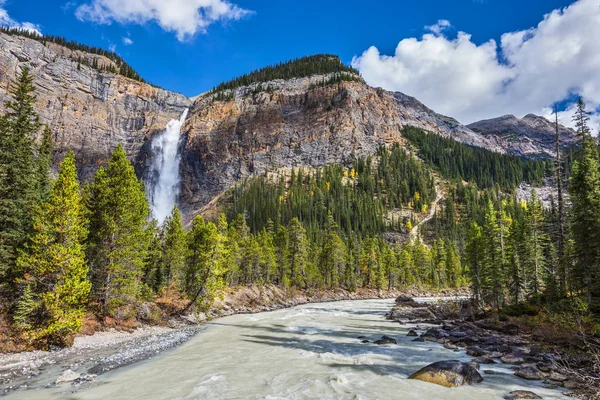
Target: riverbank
x,y
112,348
506,342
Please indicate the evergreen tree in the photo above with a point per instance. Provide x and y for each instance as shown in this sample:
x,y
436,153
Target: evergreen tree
x,y
205,269
585,214
18,175
297,252
118,243
174,250
54,262
474,257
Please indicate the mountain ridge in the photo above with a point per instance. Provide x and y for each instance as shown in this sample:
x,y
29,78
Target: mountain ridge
x,y
305,121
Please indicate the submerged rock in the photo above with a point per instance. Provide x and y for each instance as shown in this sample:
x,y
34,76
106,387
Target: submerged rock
x,y
521,394
448,373
385,340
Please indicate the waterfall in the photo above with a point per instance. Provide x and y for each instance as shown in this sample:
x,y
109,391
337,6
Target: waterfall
x,y
164,171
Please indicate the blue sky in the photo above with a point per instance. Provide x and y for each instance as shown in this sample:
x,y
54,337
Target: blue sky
x,y
189,46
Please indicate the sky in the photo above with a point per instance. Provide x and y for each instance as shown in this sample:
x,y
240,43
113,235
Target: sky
x,y
469,59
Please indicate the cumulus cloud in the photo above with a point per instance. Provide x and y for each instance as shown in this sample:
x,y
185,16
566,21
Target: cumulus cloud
x,y
527,71
183,17
439,27
127,41
6,20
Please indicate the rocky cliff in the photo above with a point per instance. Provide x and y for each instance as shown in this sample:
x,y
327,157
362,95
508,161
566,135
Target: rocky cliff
x,y
88,111
297,123
279,124
531,135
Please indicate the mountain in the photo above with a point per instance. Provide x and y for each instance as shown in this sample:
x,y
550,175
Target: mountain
x,y
309,112
297,122
88,111
531,135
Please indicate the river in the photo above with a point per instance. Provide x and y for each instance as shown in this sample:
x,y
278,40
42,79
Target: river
x,y
306,352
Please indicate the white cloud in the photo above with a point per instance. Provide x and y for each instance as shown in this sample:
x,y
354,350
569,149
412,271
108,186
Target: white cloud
x,y
184,17
439,27
527,71
6,20
112,48
127,41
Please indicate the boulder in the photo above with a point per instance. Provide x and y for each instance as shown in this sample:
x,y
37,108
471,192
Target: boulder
x,y
385,340
521,394
448,373
484,360
476,351
67,377
407,301
412,332
408,313
557,376
418,339
530,373
512,358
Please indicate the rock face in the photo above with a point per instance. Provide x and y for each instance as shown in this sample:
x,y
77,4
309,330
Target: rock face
x,y
88,111
296,123
530,136
448,373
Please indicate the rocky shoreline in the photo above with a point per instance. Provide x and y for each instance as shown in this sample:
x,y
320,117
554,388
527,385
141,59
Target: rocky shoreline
x,y
77,367
488,343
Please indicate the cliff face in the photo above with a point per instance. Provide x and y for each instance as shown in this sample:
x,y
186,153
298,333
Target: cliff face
x,y
296,123
88,111
530,136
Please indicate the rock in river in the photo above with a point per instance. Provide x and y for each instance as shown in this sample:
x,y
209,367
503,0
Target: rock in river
x,y
448,373
530,373
521,394
385,340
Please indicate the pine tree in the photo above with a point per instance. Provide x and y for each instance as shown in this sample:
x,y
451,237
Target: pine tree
x,y
332,253
18,175
54,261
585,214
474,257
173,255
537,244
560,226
297,252
205,270
118,243
493,271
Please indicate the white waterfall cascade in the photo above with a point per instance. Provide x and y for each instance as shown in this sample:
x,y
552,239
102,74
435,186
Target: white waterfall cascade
x,y
165,169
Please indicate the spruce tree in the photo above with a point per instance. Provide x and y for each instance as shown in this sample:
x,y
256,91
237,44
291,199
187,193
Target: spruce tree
x,y
173,257
474,256
18,175
585,213
54,262
297,252
118,243
205,269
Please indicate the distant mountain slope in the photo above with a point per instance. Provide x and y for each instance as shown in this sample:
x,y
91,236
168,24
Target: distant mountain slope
x,y
531,135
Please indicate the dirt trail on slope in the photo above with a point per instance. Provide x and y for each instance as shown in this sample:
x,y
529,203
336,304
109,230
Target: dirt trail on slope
x,y
439,196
